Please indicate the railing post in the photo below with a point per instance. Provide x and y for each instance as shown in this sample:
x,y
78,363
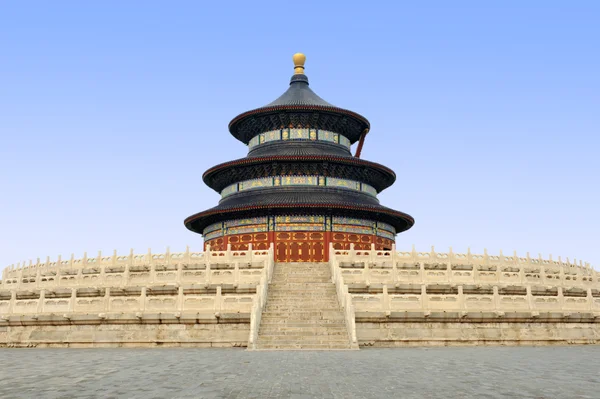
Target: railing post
x,y
560,298
530,301
236,274
13,299
40,308
496,295
387,308
218,300
107,299
73,299
180,298
179,273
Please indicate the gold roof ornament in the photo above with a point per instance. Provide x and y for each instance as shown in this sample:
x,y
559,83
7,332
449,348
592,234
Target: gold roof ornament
x,y
299,60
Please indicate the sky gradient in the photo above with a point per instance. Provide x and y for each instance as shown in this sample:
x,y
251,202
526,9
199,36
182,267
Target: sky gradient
x,y
111,111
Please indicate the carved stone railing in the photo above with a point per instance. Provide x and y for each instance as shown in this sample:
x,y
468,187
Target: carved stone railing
x,y
390,281
171,284
260,299
124,270
432,267
344,298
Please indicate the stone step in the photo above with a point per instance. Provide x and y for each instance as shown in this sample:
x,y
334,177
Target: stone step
x,y
302,304
299,302
304,332
281,301
301,286
303,346
300,281
300,308
303,315
307,295
295,319
303,323
304,273
300,339
283,290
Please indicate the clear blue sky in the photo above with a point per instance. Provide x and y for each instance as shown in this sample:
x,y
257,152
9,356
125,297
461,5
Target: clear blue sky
x,y
489,112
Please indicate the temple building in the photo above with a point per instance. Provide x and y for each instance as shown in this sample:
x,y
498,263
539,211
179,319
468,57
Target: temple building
x,y
299,187
299,254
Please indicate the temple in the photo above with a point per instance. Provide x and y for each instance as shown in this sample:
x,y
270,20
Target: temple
x,y
299,187
299,254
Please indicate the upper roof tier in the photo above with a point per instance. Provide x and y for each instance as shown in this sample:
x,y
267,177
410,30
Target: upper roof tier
x,y
298,107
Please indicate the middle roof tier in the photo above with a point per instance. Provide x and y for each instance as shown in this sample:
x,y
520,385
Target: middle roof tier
x,y
243,169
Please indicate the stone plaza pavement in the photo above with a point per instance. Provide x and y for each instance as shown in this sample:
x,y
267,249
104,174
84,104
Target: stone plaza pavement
x,y
473,372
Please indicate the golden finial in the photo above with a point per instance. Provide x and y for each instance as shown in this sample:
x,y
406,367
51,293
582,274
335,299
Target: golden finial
x,y
299,60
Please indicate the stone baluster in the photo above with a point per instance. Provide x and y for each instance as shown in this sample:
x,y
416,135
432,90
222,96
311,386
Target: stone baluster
x,y
72,300
143,297
153,273
522,271
542,269
236,273
207,275
180,298
107,299
38,274
19,275
486,257
179,277
40,307
561,298
372,254
207,255
424,298
461,299
530,301
218,302
102,275
561,271
187,257
131,257
114,258
125,280
394,265
496,299
387,306
590,299
13,299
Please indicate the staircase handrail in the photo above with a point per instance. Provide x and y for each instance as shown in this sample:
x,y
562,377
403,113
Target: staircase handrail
x,y
344,297
260,299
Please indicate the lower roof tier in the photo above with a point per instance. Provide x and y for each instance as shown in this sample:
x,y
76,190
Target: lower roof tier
x,y
300,200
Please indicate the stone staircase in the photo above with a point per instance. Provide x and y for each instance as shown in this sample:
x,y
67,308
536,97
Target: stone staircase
x,y
302,310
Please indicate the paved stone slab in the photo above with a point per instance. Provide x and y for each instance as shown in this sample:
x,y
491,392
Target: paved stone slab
x,y
484,372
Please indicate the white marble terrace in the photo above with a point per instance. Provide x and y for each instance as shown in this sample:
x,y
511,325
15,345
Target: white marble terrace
x,y
231,287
